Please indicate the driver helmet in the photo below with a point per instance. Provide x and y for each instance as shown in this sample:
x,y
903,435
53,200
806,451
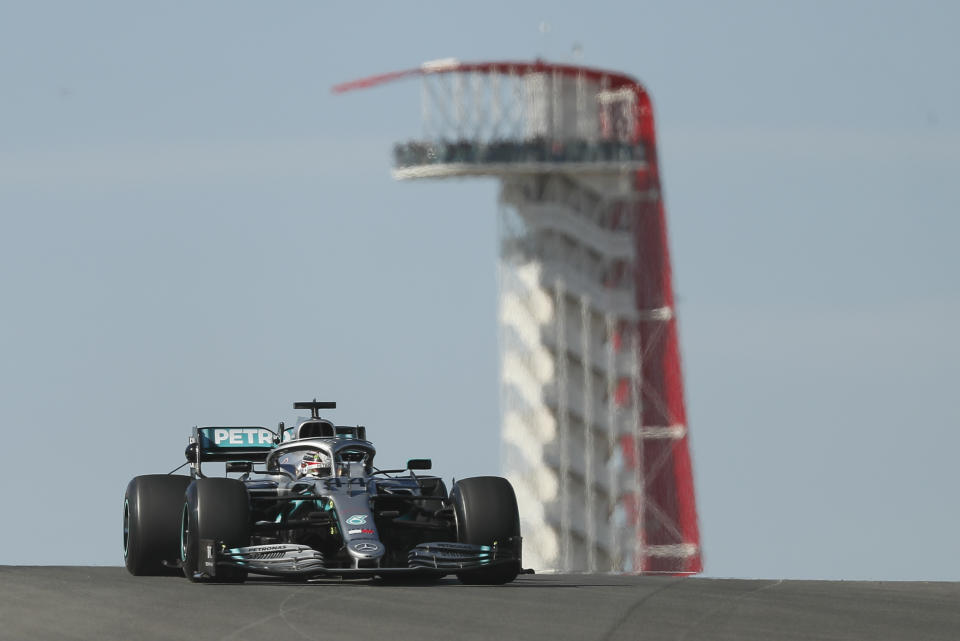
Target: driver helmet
x,y
314,463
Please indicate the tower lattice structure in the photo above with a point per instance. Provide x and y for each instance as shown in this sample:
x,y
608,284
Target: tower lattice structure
x,y
594,430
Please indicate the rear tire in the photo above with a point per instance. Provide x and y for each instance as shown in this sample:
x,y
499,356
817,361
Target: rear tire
x,y
151,518
219,510
433,486
486,509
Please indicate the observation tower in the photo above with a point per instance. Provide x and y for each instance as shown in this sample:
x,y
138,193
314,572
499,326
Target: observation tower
x,y
593,426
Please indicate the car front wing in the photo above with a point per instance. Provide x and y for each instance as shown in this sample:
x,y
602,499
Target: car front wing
x,y
301,561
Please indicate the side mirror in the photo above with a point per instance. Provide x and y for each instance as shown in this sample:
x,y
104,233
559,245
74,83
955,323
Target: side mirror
x,y
239,466
419,464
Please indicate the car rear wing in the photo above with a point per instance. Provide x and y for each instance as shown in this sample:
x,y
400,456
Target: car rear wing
x,y
230,443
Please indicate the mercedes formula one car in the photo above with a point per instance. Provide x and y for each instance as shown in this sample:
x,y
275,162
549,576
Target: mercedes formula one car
x,y
316,507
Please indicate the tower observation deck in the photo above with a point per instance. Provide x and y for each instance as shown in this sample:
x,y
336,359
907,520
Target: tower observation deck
x,y
594,431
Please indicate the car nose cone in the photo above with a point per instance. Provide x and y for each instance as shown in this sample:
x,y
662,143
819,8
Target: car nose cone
x,y
366,549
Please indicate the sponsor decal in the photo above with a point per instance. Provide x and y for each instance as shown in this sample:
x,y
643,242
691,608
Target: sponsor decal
x,y
357,519
366,531
267,548
236,437
354,531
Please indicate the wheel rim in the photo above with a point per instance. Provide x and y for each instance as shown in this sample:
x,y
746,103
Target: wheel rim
x,y
456,518
184,533
126,526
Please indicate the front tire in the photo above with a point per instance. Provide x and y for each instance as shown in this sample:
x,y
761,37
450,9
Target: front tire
x,y
151,523
486,509
215,509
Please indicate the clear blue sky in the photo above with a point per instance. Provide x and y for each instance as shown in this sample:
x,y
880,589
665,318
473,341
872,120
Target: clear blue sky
x,y
194,230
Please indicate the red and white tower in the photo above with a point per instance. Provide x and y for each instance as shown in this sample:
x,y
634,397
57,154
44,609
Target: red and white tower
x,y
594,429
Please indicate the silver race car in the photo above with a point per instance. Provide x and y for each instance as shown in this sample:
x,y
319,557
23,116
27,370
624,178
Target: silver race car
x,y
317,507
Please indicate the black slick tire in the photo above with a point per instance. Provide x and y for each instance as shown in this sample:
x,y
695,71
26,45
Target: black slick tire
x,y
433,486
486,510
151,523
216,509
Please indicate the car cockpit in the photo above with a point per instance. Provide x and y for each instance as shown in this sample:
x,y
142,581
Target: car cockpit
x,y
317,447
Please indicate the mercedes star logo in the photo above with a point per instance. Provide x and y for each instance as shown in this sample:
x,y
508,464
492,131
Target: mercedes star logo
x,y
366,547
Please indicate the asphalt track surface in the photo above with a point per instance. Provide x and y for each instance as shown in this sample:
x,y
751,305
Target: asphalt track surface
x,y
107,603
